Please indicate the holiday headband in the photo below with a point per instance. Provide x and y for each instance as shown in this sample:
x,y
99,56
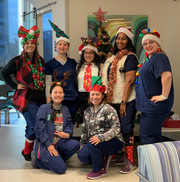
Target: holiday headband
x,y
88,43
59,33
31,34
147,34
96,84
127,31
61,82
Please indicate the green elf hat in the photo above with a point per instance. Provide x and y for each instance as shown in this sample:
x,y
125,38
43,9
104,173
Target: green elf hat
x,y
31,34
59,33
96,84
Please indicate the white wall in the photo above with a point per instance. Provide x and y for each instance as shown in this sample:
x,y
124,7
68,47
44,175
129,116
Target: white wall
x,y
171,41
162,15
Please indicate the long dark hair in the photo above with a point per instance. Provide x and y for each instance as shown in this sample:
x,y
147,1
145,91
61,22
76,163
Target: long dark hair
x,y
35,57
96,61
129,46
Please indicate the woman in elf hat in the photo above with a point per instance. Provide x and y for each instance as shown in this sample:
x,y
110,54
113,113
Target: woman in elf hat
x,y
28,69
53,130
119,74
154,88
101,131
62,63
89,65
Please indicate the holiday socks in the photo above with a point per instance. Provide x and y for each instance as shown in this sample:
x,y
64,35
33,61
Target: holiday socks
x,y
129,151
28,146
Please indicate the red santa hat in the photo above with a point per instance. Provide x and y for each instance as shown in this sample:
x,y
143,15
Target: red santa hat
x,y
127,31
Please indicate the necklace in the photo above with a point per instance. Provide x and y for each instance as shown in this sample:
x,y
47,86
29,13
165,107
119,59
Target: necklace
x,y
140,66
38,74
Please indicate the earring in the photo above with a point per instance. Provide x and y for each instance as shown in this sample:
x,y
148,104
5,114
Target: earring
x,y
159,50
25,51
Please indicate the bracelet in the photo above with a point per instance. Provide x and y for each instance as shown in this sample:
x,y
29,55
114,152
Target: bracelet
x,y
164,97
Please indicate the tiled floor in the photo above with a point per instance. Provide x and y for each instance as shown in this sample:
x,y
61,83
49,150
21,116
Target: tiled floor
x,y
14,168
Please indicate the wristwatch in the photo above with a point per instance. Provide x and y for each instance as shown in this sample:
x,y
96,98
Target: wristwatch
x,y
123,102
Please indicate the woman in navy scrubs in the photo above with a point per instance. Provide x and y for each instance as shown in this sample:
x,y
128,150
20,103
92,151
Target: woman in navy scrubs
x,y
154,89
63,63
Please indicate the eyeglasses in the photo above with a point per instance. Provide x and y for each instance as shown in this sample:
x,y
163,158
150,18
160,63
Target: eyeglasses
x,y
150,43
90,53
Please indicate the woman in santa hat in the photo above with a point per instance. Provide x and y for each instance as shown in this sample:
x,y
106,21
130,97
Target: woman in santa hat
x,y
89,65
154,88
28,69
119,74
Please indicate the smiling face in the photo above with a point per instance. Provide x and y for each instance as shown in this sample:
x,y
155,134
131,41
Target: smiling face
x,y
29,47
89,55
96,98
62,47
150,46
57,95
121,41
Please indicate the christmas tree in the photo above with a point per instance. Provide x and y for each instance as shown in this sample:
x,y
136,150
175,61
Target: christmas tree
x,y
104,45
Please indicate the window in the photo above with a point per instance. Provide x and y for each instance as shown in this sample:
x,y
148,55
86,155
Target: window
x,y
9,43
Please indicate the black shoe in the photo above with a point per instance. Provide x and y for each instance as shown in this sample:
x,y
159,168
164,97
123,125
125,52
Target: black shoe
x,y
27,157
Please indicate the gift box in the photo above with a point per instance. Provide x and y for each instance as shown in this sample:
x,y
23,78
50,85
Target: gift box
x,y
169,123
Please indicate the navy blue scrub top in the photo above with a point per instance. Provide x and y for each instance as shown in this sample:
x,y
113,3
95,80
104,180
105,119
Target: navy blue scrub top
x,y
149,84
70,89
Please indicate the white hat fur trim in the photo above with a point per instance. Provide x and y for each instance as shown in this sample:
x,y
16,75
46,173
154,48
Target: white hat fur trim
x,y
62,38
151,37
126,31
90,47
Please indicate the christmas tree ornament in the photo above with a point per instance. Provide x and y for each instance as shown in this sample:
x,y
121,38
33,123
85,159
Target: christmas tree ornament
x,y
100,16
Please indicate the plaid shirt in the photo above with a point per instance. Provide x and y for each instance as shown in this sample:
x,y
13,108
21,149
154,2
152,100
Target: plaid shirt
x,y
23,75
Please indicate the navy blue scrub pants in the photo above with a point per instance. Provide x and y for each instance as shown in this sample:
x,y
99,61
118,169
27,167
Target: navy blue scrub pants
x,y
150,127
94,154
66,148
127,122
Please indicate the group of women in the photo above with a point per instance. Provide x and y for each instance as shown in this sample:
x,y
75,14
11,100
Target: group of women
x,y
104,94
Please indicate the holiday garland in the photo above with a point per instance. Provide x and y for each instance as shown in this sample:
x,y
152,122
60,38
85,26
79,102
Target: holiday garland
x,y
113,74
